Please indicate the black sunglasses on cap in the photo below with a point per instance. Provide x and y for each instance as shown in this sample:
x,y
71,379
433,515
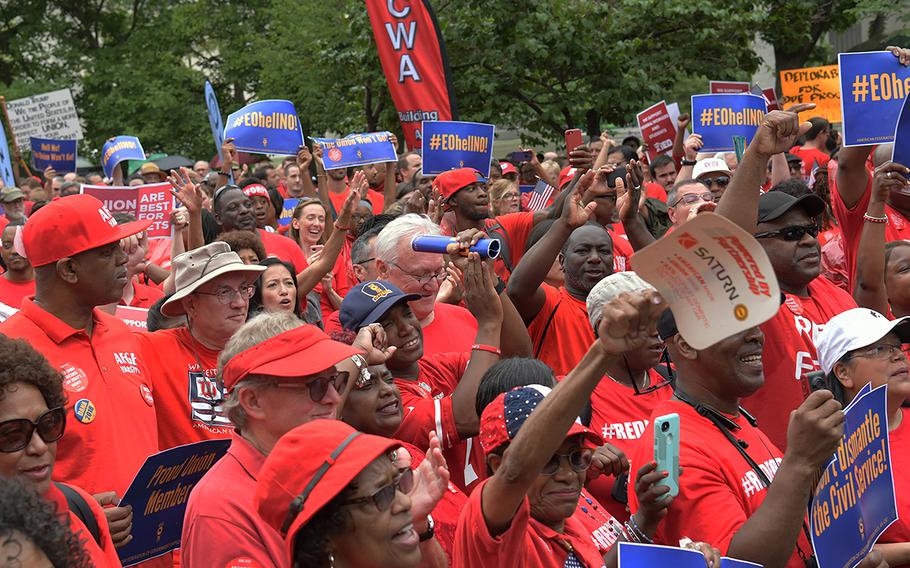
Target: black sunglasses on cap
x,y
16,434
792,233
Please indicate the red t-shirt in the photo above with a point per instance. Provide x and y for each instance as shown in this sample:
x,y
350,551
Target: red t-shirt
x,y
719,490
622,248
101,556
341,280
527,543
144,296
899,442
376,198
561,333
188,396
789,353
110,405
159,252
283,248
655,191
427,404
810,156
516,227
12,293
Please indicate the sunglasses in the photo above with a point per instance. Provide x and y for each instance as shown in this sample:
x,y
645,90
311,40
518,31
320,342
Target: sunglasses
x,y
691,198
579,460
878,352
720,181
16,434
383,498
794,233
319,386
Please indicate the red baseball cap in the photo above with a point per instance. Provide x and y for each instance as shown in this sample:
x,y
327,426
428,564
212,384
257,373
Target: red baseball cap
x,y
566,175
451,182
310,466
302,351
503,417
69,225
256,190
508,168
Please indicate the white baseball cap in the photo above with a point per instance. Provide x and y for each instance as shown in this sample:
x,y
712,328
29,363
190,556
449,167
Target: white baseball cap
x,y
855,329
710,166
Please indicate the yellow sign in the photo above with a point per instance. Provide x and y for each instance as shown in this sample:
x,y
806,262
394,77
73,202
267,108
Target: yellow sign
x,y
819,85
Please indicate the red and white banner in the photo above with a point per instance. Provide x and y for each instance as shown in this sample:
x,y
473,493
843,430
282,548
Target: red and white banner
x,y
657,129
728,87
153,202
412,53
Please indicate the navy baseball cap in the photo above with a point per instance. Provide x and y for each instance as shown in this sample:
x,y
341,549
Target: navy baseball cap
x,y
367,302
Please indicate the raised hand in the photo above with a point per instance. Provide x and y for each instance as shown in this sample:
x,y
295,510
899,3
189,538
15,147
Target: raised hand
x,y
581,158
629,321
229,154
683,121
902,54
608,460
574,212
692,145
431,480
304,158
889,177
372,340
779,130
188,193
350,203
653,499
815,430
480,290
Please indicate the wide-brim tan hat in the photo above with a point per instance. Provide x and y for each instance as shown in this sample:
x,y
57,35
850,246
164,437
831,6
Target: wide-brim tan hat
x,y
194,268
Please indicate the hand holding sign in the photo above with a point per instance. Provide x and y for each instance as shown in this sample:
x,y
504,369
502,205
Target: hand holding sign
x,y
815,430
889,177
902,54
119,519
779,130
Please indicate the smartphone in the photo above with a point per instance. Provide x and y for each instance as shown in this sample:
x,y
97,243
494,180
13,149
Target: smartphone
x,y
573,139
519,158
666,450
618,173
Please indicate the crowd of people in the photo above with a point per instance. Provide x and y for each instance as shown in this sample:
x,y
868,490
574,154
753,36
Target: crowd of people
x,y
393,408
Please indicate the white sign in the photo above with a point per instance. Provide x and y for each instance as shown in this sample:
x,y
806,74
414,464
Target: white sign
x,y
51,115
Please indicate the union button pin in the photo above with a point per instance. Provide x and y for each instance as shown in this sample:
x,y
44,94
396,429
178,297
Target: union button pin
x,y
84,409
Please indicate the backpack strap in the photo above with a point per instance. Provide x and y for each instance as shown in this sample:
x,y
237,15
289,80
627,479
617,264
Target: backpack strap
x,y
546,328
77,505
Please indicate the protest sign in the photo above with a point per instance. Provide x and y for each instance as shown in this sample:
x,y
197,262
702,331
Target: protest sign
x,y
357,150
135,318
449,145
673,109
769,94
266,127
118,149
287,211
728,87
873,88
819,85
900,151
657,129
6,164
58,154
854,501
153,202
634,555
715,277
49,115
158,495
215,122
718,118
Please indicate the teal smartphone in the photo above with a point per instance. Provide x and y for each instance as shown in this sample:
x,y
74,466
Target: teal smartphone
x,y
666,450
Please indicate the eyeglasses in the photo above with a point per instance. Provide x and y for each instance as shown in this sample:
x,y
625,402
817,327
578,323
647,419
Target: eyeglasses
x,y
16,434
885,351
579,460
227,295
439,275
691,198
383,498
366,260
319,386
719,181
794,233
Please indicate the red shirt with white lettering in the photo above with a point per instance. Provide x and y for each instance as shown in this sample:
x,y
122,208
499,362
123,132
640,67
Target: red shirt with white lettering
x,y
719,490
899,442
789,353
111,425
12,293
622,248
561,333
187,392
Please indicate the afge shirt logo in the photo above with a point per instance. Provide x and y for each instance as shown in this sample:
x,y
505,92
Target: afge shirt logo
x,y
206,400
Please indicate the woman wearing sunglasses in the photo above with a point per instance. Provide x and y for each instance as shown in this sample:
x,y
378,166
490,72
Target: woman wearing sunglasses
x,y
32,419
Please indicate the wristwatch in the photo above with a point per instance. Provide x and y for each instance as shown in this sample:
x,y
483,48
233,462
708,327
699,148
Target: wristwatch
x,y
686,162
431,530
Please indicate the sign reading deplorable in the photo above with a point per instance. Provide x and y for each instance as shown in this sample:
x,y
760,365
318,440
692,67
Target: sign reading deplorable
x,y
819,85
58,154
118,149
854,501
49,115
152,202
266,127
357,150
873,87
451,145
159,494
718,118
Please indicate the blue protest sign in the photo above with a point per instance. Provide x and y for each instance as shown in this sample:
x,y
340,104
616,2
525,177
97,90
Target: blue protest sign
x,y
117,149
6,165
634,555
854,501
211,103
900,152
58,154
873,86
449,145
266,127
287,211
356,150
159,493
718,118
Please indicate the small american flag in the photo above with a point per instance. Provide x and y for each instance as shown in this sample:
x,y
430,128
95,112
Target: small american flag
x,y
540,196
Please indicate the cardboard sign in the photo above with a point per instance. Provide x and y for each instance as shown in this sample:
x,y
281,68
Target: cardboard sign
x,y
900,152
58,154
718,118
715,277
854,501
49,115
118,149
215,122
728,87
873,87
6,164
266,127
159,494
152,201
634,555
357,150
769,94
135,318
819,85
450,145
657,129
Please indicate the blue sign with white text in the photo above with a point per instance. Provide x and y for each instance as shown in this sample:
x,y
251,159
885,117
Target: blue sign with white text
x,y
6,165
451,145
58,154
719,118
854,501
634,555
159,493
118,149
215,122
287,211
900,152
357,150
873,86
266,127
